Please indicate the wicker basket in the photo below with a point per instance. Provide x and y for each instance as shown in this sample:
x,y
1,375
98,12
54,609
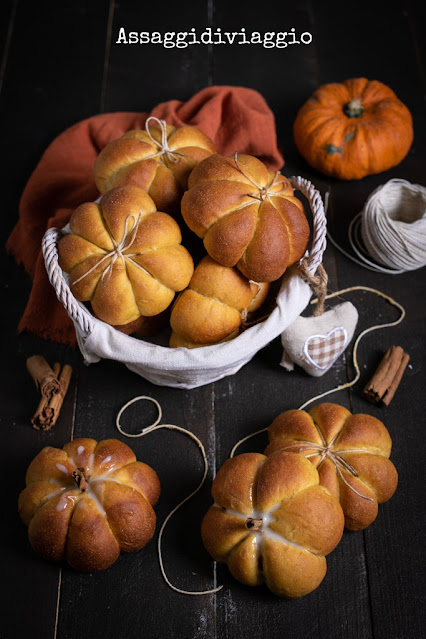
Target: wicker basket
x,y
182,367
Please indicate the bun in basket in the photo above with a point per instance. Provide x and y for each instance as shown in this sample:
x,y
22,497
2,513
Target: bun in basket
x,y
124,257
87,502
350,452
247,216
272,522
157,160
213,307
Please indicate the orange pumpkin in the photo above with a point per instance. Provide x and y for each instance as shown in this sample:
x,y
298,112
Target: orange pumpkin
x,y
353,129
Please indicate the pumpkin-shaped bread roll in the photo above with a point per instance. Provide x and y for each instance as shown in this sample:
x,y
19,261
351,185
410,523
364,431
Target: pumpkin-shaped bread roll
x,y
213,306
350,452
124,257
247,216
157,160
87,502
272,522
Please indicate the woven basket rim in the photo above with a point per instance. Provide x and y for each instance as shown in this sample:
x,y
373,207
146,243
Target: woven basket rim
x,y
86,324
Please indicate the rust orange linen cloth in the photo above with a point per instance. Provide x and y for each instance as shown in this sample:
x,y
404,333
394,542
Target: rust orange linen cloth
x,y
235,118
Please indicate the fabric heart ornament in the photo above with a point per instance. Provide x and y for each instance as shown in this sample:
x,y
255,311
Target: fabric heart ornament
x,y
315,343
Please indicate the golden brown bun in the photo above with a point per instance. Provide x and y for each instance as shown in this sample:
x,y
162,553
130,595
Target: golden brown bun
x,y
261,232
272,522
143,278
87,502
129,160
211,309
362,441
260,292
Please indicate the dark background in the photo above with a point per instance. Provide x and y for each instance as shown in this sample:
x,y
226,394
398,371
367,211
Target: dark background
x,y
60,64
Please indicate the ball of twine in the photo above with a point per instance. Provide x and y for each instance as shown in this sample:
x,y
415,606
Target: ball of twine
x,y
394,225
389,234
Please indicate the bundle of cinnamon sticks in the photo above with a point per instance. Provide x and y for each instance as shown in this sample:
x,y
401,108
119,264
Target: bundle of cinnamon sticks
x,y
53,385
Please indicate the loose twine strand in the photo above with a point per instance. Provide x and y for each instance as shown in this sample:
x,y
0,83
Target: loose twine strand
x,y
390,229
149,429
354,356
163,146
324,449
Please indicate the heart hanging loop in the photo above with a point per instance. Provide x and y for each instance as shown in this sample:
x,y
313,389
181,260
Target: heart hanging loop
x,y
318,284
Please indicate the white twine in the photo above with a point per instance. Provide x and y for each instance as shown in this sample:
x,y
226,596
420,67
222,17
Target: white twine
x,y
156,426
354,355
391,229
164,149
336,458
264,191
117,252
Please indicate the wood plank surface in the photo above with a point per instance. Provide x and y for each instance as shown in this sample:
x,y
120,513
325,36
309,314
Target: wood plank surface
x,y
61,63
274,391
39,99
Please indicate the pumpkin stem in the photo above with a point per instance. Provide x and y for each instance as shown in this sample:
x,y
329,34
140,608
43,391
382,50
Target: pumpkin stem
x,y
354,108
254,524
81,479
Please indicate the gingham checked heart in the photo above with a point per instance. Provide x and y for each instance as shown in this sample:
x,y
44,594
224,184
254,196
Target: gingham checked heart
x,y
322,350
315,343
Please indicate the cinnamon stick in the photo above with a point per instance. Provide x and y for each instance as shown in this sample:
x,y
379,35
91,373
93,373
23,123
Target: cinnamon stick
x,y
44,377
48,410
382,386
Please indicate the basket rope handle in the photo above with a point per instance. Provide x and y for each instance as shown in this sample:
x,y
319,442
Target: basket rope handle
x,y
319,241
75,310
83,318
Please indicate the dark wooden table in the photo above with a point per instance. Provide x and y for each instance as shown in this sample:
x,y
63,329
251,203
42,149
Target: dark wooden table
x,y
60,64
